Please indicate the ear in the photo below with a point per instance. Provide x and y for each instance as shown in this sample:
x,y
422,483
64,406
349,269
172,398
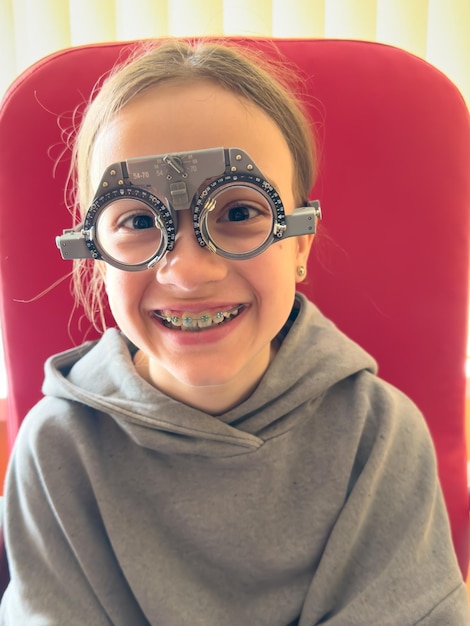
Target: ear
x,y
304,245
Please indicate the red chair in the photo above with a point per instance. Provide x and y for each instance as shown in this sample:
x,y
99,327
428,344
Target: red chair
x,y
390,264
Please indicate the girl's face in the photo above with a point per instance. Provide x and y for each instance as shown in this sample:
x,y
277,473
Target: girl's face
x,y
214,368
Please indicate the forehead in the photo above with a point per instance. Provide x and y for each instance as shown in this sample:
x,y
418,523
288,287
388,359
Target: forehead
x,y
175,117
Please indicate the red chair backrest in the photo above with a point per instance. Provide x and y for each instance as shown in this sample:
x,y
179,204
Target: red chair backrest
x,y
390,264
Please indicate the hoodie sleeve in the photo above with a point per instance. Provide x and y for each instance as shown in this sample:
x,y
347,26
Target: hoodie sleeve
x,y
47,510
389,559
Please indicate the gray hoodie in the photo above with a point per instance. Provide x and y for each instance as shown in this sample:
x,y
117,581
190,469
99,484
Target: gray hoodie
x,y
315,501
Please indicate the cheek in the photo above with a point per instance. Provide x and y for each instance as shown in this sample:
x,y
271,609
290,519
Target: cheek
x,y
275,269
123,289
285,258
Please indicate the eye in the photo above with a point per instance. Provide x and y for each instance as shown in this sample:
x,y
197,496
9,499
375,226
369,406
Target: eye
x,y
137,222
239,213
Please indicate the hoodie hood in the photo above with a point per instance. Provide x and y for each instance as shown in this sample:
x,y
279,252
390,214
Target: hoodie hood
x,y
313,357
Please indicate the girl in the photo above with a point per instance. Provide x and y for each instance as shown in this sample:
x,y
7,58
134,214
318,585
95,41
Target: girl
x,y
212,461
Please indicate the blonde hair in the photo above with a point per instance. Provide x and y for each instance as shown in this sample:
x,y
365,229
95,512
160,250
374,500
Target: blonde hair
x,y
243,72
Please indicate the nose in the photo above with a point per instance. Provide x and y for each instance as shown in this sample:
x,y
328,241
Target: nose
x,y
189,265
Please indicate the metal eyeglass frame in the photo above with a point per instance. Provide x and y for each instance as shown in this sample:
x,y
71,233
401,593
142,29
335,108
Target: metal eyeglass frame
x,y
172,182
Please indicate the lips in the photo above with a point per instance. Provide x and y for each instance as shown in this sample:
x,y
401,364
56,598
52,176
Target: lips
x,y
187,321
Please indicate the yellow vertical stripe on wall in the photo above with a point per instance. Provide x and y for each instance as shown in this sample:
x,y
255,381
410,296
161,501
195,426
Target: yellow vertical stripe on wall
x,y
298,18
40,27
92,21
246,17
195,17
351,20
403,24
7,45
141,19
448,43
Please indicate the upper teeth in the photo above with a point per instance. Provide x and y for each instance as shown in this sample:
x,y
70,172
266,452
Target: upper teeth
x,y
203,320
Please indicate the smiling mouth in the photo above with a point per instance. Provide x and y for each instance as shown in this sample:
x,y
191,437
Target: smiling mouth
x,y
201,321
